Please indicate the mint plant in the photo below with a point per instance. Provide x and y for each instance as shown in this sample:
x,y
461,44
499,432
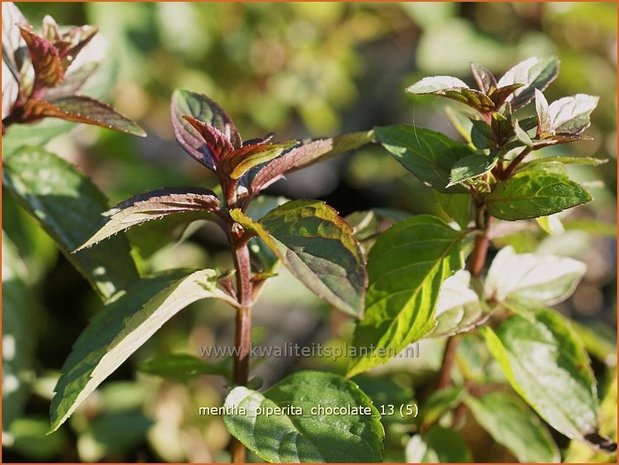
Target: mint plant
x,y
307,236
511,362
419,288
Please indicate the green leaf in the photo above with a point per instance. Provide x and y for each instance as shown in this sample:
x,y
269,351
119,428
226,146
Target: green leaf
x,y
471,166
438,444
68,204
570,115
548,367
534,73
566,160
82,109
452,88
458,309
151,206
117,332
514,426
318,247
438,403
531,277
427,154
307,436
305,153
183,367
406,268
533,193
455,206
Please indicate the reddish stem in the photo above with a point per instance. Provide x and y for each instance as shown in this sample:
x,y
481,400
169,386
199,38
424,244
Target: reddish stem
x,y
242,339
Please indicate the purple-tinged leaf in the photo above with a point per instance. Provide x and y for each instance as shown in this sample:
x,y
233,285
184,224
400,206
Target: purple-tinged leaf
x,y
203,109
484,78
72,42
570,115
250,156
81,109
305,154
48,68
152,206
71,84
318,247
534,73
453,88
218,144
500,95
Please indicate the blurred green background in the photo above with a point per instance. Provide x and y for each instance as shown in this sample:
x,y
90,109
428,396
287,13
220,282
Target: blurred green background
x,y
300,70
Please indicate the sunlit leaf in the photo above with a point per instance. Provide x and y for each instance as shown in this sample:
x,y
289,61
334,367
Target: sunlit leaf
x,y
531,277
153,206
406,267
318,247
311,436
534,73
429,155
202,108
533,193
548,367
570,115
82,109
67,204
118,331
513,425
438,444
304,154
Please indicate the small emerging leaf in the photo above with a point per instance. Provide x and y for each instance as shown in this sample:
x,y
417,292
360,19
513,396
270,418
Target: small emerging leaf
x,y
152,206
570,115
484,78
470,167
202,108
455,89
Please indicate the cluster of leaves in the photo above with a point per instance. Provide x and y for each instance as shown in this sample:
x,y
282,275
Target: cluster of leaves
x,y
40,78
412,287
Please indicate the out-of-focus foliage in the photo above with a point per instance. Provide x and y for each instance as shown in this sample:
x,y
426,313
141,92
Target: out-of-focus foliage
x,y
303,70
